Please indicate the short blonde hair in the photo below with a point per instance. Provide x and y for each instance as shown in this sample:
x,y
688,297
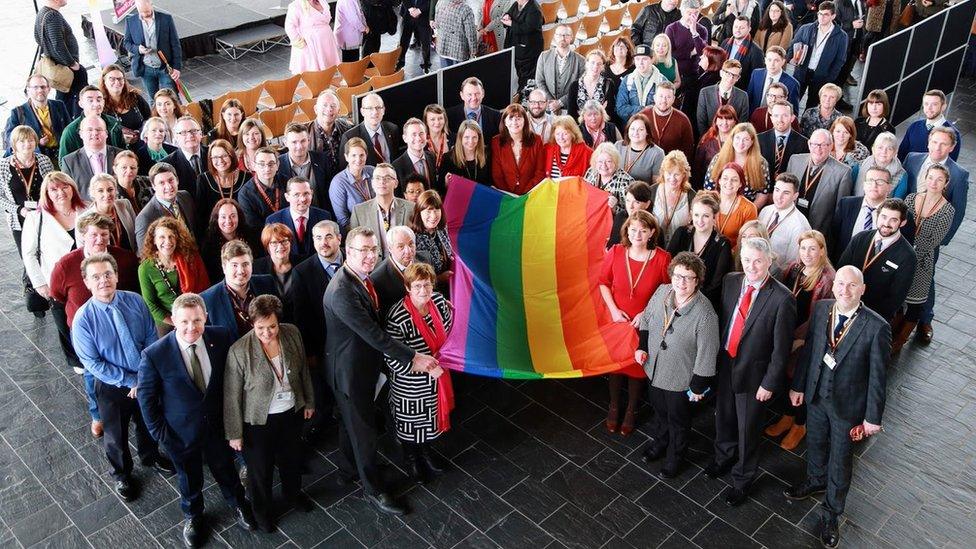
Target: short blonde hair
x,y
21,133
567,123
830,87
608,149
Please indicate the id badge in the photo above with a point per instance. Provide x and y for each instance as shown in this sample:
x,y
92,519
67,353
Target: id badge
x,y
30,204
803,203
284,395
829,360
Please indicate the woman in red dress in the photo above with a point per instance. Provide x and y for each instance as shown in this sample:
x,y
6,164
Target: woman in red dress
x,y
631,272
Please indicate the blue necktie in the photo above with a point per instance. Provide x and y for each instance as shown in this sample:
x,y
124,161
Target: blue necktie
x,y
839,328
125,338
869,219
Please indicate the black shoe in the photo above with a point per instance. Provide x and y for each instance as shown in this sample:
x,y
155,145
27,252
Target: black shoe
x,y
242,474
39,314
829,534
303,503
736,497
245,517
433,464
669,471
412,465
716,469
191,533
652,453
125,489
803,490
163,465
385,503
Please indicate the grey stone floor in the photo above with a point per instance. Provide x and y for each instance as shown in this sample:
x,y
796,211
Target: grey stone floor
x,y
532,465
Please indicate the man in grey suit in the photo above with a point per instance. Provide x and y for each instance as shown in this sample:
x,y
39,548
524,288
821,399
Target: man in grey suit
x,y
548,76
840,374
95,157
167,200
724,93
824,181
384,211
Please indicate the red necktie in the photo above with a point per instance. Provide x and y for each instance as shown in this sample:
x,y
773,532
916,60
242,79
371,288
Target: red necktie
x,y
739,324
300,232
378,147
371,290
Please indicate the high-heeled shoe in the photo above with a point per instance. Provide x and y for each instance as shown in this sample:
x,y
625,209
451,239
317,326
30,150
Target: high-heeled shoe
x,y
613,419
627,427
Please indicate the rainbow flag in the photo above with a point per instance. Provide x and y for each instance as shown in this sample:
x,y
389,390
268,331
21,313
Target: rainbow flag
x,y
525,285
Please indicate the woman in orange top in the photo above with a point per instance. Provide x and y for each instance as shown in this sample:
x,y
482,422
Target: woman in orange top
x,y
631,273
734,209
567,155
516,153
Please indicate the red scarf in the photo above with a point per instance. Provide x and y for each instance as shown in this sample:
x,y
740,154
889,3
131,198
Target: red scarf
x,y
435,339
741,51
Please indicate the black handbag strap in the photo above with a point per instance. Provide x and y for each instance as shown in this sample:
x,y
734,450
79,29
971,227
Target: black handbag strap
x,y
40,225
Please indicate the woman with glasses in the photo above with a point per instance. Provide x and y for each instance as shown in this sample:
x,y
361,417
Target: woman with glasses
x,y
679,341
124,102
276,240
884,155
221,179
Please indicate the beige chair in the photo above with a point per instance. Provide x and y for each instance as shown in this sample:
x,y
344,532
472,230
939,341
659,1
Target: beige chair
x,y
276,119
591,24
614,16
383,81
248,98
353,71
318,81
384,62
550,11
280,92
346,93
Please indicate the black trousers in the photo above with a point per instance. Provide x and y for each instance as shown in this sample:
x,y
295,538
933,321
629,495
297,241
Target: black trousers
x,y
276,443
189,470
829,453
64,333
419,27
117,409
350,54
812,85
853,51
738,429
672,419
357,439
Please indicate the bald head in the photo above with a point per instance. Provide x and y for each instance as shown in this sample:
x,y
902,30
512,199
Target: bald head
x,y
848,287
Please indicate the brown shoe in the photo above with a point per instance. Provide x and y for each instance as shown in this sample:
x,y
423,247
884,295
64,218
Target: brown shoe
x,y
780,426
901,334
96,429
924,333
792,440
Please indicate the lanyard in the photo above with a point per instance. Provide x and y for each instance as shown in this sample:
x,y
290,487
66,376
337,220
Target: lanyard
x,y
658,132
920,210
630,276
728,216
29,180
361,185
628,164
163,271
870,257
669,217
279,374
796,283
833,343
772,228
275,206
809,181
438,150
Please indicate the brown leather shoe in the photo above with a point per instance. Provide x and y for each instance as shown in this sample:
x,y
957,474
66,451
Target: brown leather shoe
x,y
901,336
793,439
780,426
923,334
97,429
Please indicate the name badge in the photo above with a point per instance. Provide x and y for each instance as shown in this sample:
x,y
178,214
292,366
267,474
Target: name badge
x,y
803,203
284,395
890,264
829,361
30,204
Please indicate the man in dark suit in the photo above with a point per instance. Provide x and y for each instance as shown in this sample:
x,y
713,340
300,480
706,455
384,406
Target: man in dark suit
x,y
712,97
740,47
757,320
779,144
858,213
228,301
818,51
472,95
415,23
190,159
416,159
181,388
886,259
308,283
840,374
313,166
147,34
300,216
388,277
263,194
762,79
851,16
354,360
95,157
166,200
382,138
53,111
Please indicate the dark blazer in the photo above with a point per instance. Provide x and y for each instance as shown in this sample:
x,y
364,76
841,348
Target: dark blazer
x,y
184,171
153,210
758,80
308,282
717,256
847,214
956,192
422,5
301,250
219,310
145,160
79,168
167,41
846,14
795,144
253,205
404,167
708,105
23,115
490,122
322,172
831,60
888,278
389,283
858,387
767,337
525,33
357,339
391,132
752,60
176,413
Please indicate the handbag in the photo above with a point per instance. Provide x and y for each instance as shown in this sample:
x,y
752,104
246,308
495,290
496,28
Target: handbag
x,y
60,76
36,303
907,17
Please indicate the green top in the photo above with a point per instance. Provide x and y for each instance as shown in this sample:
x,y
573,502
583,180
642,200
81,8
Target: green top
x,y
157,156
71,136
157,294
671,73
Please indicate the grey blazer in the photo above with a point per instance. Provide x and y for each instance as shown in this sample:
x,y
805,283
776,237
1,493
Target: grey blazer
x,y
364,215
153,210
835,184
548,78
79,168
708,106
127,217
249,382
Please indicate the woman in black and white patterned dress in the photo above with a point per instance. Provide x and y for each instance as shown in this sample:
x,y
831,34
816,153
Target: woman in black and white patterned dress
x,y
420,401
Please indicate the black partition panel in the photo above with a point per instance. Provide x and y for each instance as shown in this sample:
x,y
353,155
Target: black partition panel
x,y
945,72
495,72
959,20
910,95
925,36
406,99
886,63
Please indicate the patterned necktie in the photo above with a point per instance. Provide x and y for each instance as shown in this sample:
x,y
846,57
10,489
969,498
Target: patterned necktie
x,y
877,246
775,223
378,147
839,328
869,219
100,163
739,323
125,338
473,116
300,230
419,166
195,162
197,369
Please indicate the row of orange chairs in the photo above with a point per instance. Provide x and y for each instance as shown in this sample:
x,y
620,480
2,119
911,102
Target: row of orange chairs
x,y
551,10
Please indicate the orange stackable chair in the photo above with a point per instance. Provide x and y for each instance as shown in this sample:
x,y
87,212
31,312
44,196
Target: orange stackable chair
x,y
550,11
615,16
281,92
276,119
384,62
318,81
353,71
587,46
591,24
547,32
606,40
572,7
634,8
380,82
194,110
593,5
346,94
306,110
248,98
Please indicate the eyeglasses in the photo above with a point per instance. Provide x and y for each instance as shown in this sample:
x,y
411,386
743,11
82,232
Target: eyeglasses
x,y
372,108
683,278
534,102
189,132
41,87
107,275
877,181
775,96
93,130
372,250
216,157
115,79
819,145
278,243
266,164
730,73
385,178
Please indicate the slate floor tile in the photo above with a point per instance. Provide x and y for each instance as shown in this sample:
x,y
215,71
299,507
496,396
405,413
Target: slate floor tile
x,y
778,533
534,499
125,532
719,534
69,538
434,521
575,529
517,531
675,510
363,521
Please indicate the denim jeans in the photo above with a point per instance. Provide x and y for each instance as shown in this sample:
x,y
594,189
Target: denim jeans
x,y
447,62
154,79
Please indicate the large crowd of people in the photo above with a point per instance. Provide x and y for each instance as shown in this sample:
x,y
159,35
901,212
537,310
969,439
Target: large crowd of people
x,y
230,296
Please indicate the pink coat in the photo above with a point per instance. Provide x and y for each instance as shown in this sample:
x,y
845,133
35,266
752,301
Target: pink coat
x,y
350,24
305,23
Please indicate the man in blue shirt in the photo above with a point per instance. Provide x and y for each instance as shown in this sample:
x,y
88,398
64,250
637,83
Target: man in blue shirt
x,y
110,331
